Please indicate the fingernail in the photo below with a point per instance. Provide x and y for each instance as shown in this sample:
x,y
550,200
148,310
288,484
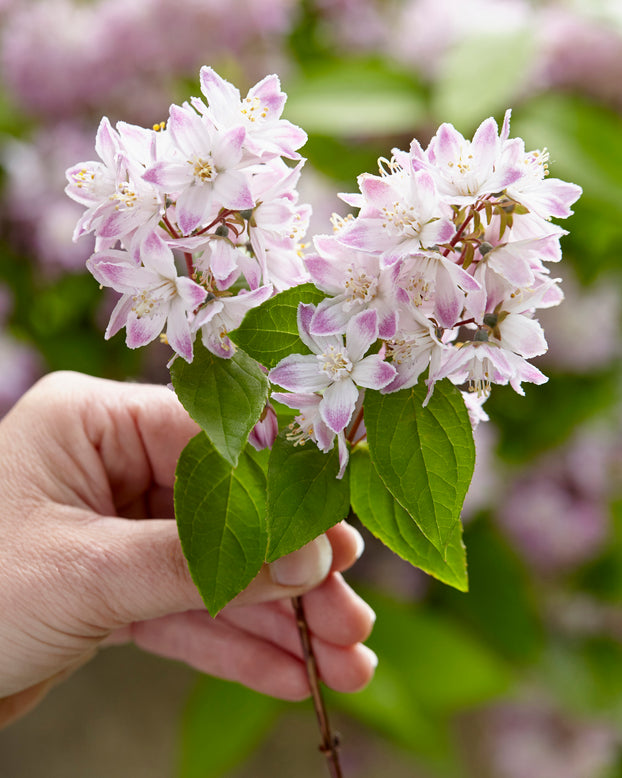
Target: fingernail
x,y
373,657
305,567
360,543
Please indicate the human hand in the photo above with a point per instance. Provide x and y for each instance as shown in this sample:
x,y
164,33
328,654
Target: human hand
x,y
89,555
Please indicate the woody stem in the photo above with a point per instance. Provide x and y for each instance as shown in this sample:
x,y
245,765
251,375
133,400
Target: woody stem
x,y
330,742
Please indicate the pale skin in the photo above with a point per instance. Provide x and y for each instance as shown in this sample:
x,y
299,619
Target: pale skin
x,y
89,556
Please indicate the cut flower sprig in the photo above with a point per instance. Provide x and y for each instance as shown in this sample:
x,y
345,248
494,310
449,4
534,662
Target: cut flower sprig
x,y
439,275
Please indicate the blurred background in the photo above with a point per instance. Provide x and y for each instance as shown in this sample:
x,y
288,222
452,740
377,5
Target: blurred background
x,y
522,676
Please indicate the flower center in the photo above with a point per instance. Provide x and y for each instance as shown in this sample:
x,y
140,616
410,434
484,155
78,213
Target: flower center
x,y
148,301
124,195
335,363
418,289
537,164
359,287
402,350
203,169
300,431
403,218
252,109
479,377
461,173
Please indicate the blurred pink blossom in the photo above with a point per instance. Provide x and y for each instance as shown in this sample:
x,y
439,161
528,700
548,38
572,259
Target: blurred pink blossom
x,y
532,739
40,219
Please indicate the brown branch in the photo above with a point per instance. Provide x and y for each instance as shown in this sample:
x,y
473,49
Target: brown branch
x,y
330,742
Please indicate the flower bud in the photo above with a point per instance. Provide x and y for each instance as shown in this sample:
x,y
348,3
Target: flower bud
x,y
491,319
222,231
485,247
265,431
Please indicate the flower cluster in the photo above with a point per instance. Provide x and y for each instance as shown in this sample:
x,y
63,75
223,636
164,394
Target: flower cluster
x,y
212,184
444,264
440,273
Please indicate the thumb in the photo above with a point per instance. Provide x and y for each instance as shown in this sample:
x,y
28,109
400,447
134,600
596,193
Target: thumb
x,y
146,575
290,575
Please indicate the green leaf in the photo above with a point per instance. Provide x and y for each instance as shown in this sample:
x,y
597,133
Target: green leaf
x,y
496,62
220,514
225,397
270,332
222,725
425,456
389,522
305,498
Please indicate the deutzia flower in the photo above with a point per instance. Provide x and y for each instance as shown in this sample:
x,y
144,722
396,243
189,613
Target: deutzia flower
x,y
154,296
335,369
309,425
203,174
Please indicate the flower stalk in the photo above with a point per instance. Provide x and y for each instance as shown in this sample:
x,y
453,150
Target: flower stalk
x,y
330,741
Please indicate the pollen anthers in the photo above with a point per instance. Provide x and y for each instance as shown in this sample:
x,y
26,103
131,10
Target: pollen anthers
x,y
339,222
419,289
403,217
252,109
300,431
537,163
143,304
125,195
388,167
83,178
359,287
203,169
147,302
335,362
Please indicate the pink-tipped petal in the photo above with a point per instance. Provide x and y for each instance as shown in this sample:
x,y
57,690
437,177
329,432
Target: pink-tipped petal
x,y
338,404
373,372
299,373
361,332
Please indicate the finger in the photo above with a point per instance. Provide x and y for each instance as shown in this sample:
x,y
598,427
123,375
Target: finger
x,y
348,545
291,575
334,614
136,569
141,572
219,649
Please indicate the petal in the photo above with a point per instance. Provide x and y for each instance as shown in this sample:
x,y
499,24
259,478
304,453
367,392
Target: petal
x,y
227,150
327,276
178,330
157,256
361,332
118,317
522,335
449,299
338,404
330,317
124,277
231,189
169,176
142,330
193,205
299,373
484,145
221,95
373,372
191,293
